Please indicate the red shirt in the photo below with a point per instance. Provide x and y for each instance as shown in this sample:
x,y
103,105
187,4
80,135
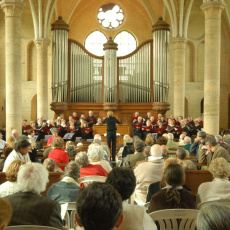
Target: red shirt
x,y
50,140
60,156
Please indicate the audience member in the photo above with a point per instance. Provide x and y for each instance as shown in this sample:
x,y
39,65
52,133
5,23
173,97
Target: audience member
x,y
187,143
165,151
10,186
51,165
15,134
136,218
6,212
54,132
99,206
182,154
30,208
149,171
199,141
171,144
132,159
88,169
3,143
219,188
20,152
212,150
173,195
96,157
149,140
103,144
213,217
6,151
161,141
58,153
67,189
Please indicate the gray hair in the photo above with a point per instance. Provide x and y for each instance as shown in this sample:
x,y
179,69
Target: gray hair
x,y
170,136
156,150
49,164
139,145
147,151
210,140
181,153
97,152
70,148
213,217
218,138
202,134
32,177
54,130
82,159
182,136
187,140
227,139
97,137
72,170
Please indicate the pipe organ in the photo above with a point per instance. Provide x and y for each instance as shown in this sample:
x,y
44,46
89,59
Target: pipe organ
x,y
110,82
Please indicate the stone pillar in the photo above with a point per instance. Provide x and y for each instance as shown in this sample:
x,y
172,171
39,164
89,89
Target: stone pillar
x,y
42,76
179,76
212,11
13,11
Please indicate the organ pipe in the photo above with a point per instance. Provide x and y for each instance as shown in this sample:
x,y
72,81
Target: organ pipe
x,y
60,60
160,60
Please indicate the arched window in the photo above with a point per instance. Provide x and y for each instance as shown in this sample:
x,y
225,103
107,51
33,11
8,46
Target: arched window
x,y
94,43
126,43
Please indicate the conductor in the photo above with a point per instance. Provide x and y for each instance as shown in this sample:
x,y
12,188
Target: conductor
x,y
111,131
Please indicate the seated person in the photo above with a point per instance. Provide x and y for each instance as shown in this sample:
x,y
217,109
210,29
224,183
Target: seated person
x,y
137,127
54,132
20,152
6,212
219,188
51,166
30,208
10,186
136,218
173,195
58,153
132,159
152,170
86,132
96,157
67,189
88,169
182,154
172,144
99,206
213,217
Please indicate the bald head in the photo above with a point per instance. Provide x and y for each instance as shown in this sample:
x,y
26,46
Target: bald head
x,y
187,140
156,150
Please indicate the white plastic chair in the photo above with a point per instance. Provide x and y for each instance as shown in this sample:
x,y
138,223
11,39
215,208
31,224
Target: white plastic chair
x,y
70,216
176,219
30,227
90,179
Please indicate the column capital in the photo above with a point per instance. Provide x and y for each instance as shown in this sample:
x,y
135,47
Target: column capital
x,y
42,43
213,9
110,44
12,8
179,43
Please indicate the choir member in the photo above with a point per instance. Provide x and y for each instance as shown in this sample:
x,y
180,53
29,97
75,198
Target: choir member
x,y
137,127
86,132
147,129
91,119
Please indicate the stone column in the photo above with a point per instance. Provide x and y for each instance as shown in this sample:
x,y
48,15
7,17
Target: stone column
x,y
179,76
212,11
13,11
42,76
